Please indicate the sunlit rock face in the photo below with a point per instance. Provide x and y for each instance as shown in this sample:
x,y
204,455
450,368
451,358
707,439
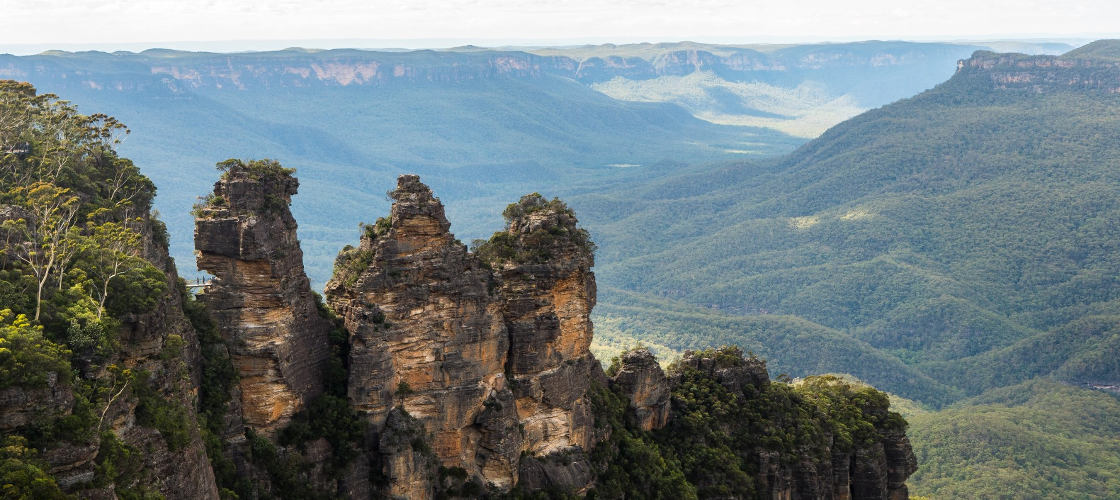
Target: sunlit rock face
x,y
547,292
260,296
490,358
642,381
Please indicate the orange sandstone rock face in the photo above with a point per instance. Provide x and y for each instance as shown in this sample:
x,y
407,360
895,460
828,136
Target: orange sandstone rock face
x,y
547,292
260,296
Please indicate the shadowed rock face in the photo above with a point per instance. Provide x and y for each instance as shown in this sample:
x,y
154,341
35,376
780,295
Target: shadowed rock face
x,y
260,297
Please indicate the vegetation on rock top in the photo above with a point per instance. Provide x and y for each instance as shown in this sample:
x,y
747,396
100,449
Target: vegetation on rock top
x,y
524,242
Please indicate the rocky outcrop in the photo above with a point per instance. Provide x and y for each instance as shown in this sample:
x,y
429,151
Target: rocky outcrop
x,y
427,337
872,468
569,470
473,370
408,463
260,297
494,364
1040,74
547,290
644,384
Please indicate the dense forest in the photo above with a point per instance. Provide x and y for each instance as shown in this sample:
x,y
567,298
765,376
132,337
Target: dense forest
x,y
957,242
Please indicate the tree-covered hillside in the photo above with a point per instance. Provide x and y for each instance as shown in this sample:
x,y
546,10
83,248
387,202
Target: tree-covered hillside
x,y
952,232
1038,439
959,248
93,348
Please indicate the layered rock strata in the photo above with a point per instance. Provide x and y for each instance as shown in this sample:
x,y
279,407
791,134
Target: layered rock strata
x,y
260,297
547,292
491,363
427,336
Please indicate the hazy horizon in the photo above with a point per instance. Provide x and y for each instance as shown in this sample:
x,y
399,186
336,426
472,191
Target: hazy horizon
x,y
233,25
231,46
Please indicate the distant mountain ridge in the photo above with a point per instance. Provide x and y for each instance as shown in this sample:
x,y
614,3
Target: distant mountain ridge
x,y
299,67
1084,70
523,120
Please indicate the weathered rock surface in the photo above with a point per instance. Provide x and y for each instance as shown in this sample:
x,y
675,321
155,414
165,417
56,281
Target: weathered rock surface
x,y
547,292
260,296
427,336
569,470
642,381
21,406
406,462
491,364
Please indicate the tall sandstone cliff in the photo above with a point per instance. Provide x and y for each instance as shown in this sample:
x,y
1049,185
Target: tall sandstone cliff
x,y
492,364
547,292
427,336
260,296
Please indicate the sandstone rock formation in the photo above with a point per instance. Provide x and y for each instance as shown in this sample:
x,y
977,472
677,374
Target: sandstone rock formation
x,y
642,381
260,297
491,364
470,370
547,292
427,336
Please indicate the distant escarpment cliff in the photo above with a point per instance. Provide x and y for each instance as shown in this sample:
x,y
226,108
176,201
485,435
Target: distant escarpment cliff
x,y
177,71
1094,67
458,373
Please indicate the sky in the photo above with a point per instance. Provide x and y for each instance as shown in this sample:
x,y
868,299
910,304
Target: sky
x,y
33,25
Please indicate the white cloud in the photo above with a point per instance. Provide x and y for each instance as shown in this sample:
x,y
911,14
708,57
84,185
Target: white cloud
x,y
103,21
